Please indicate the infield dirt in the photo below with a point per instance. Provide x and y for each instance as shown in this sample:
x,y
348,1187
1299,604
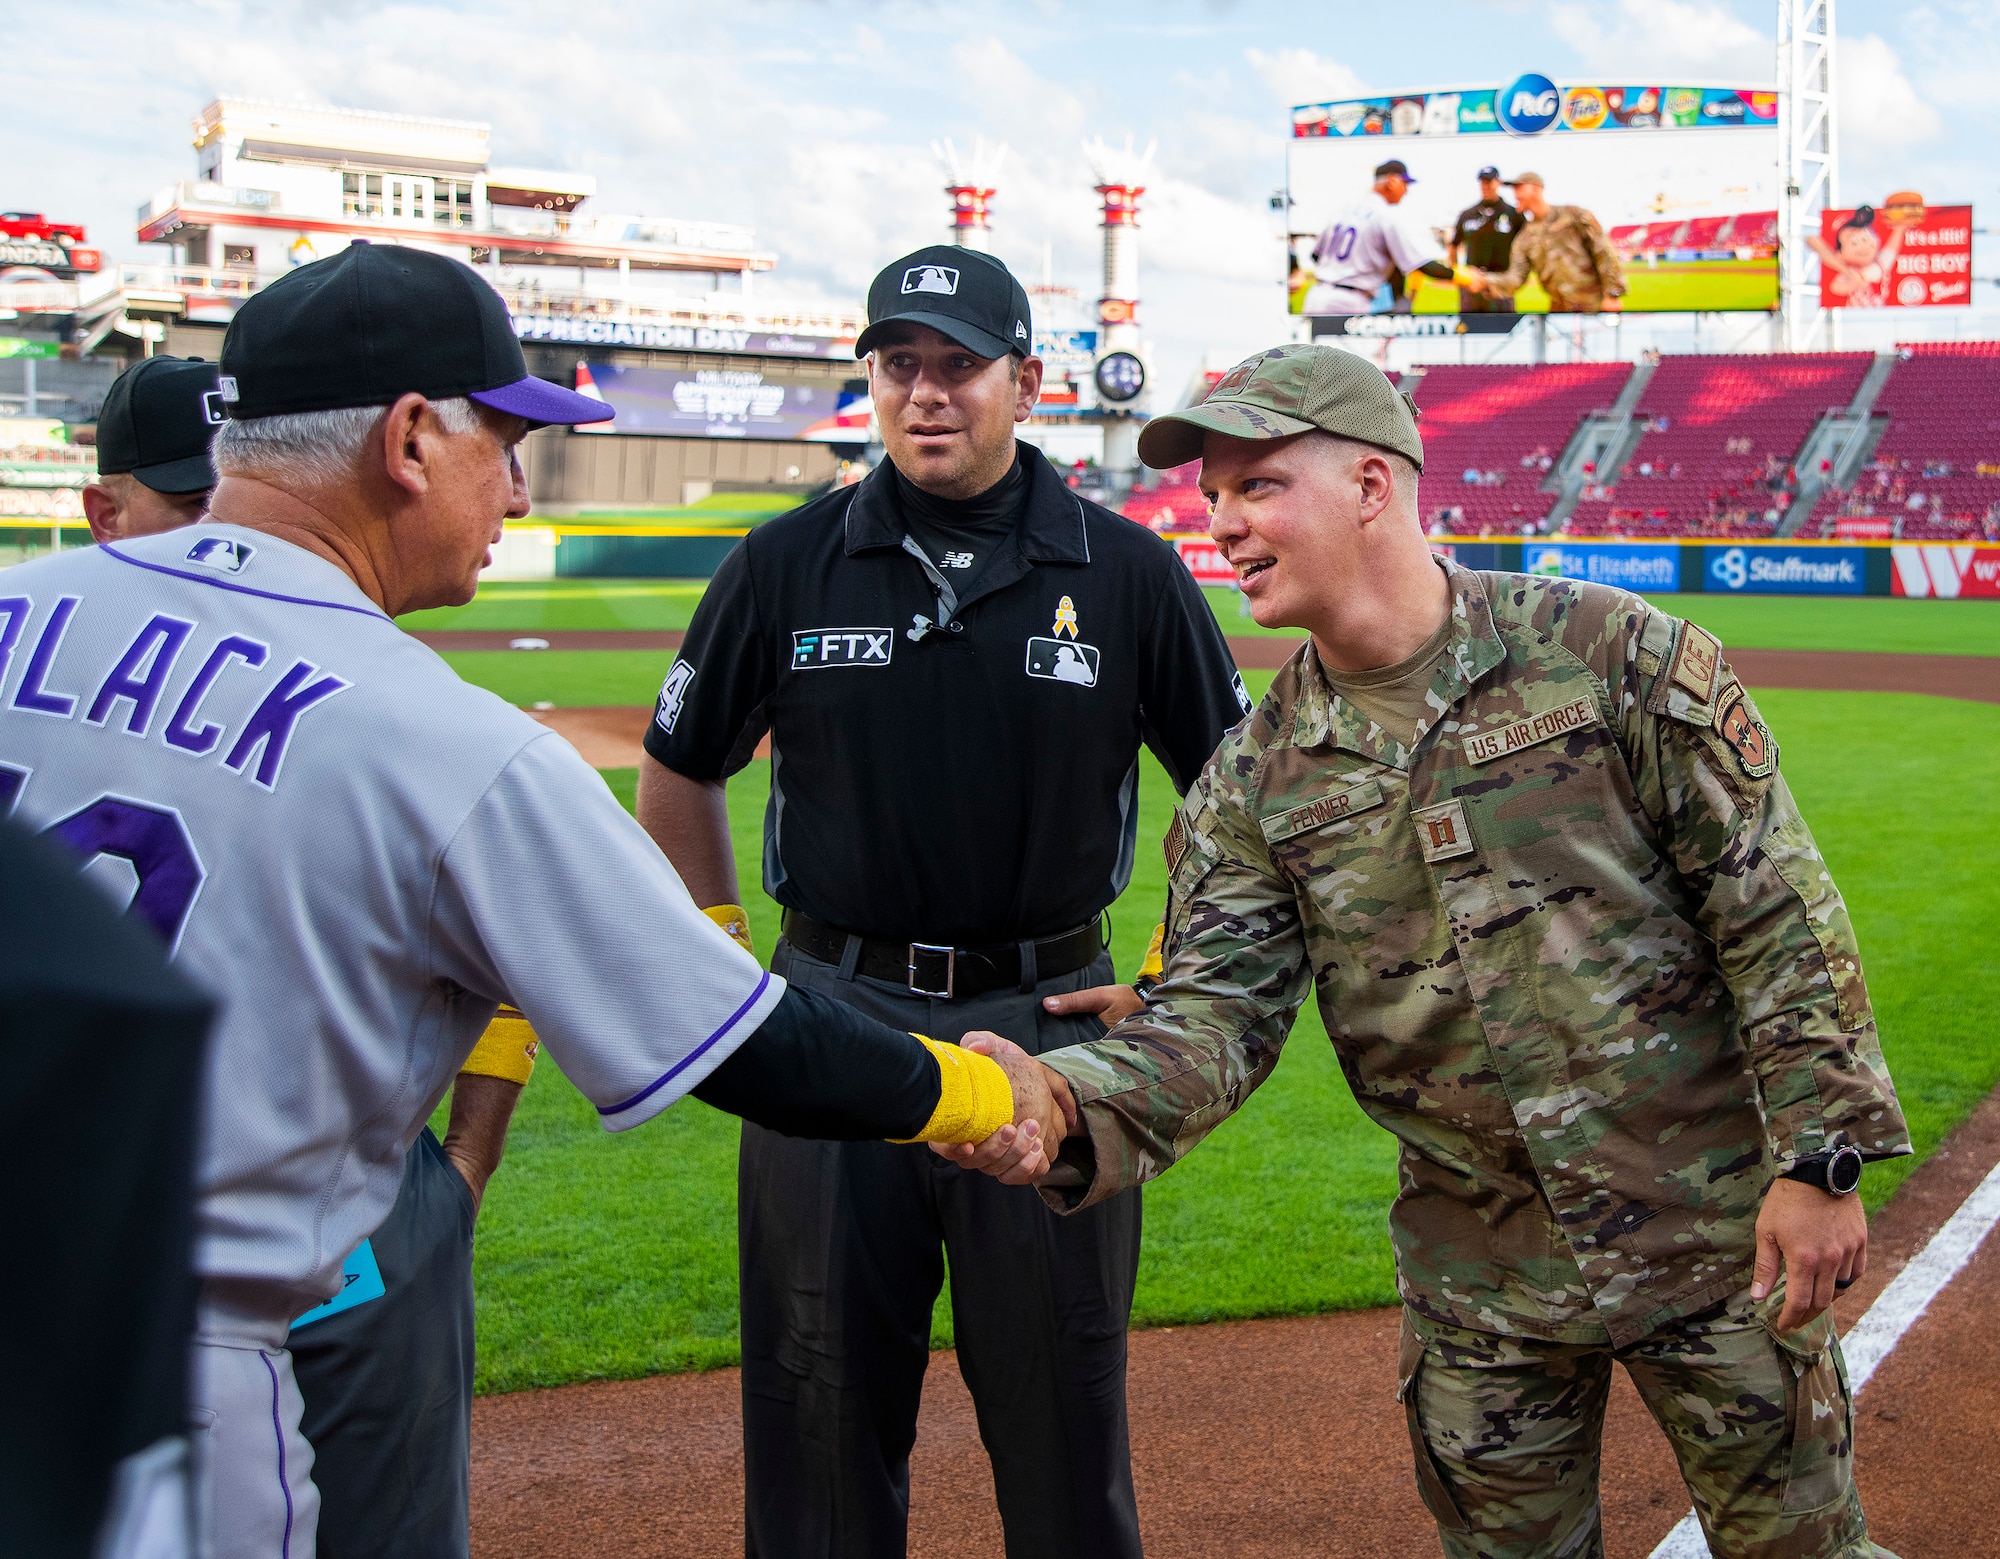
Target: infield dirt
x,y
1268,1439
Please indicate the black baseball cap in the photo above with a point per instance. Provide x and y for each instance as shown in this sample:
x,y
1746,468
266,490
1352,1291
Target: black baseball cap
x,y
1488,172
378,321
158,420
1395,166
963,293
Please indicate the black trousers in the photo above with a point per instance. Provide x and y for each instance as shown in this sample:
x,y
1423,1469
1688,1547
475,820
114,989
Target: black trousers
x,y
841,1264
388,1383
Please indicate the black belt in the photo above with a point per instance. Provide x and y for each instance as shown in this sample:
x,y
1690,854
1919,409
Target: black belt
x,y
929,969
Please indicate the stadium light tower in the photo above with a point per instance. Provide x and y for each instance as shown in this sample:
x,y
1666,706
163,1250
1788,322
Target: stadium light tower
x,y
1120,371
1809,181
970,186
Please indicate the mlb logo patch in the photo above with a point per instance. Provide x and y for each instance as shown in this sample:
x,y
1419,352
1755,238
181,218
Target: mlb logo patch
x,y
931,278
1057,660
221,553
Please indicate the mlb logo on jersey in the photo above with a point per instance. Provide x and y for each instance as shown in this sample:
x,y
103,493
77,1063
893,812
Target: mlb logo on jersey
x,y
1055,660
219,552
931,278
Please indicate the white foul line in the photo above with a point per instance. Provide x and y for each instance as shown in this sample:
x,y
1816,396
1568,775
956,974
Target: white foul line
x,y
1894,1312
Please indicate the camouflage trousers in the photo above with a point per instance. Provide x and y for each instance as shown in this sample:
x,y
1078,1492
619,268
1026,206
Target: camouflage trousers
x,y
1507,1433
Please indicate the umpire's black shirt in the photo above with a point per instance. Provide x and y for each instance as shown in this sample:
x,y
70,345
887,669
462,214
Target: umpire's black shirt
x,y
957,777
1485,234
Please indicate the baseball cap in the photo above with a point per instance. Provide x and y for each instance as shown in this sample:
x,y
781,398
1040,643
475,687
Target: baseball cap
x,y
1525,178
1395,166
378,321
158,420
1287,390
962,293
1488,172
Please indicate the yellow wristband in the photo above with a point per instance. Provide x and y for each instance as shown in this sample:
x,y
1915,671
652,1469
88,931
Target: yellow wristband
x,y
974,1097
733,919
1155,960
507,1049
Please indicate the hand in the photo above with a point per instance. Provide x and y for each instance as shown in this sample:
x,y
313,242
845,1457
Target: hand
x,y
1111,1003
1025,1151
471,1171
1820,1239
1473,281
1616,305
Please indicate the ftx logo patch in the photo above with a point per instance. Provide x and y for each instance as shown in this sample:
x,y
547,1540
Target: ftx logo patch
x,y
814,649
931,278
219,552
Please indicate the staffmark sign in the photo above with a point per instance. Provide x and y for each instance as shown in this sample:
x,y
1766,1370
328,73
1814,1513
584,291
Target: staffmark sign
x,y
1785,570
815,649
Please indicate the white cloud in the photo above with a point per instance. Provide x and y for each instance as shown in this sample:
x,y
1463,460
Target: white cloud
x,y
1877,106
1649,39
1296,76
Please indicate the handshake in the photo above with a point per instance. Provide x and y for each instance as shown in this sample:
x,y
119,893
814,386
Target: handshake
x,y
1023,1151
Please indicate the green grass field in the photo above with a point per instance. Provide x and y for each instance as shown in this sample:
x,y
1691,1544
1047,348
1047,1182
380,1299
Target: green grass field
x,y
1766,623
604,1256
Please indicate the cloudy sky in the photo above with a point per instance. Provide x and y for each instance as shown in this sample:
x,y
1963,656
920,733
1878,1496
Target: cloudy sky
x,y
813,123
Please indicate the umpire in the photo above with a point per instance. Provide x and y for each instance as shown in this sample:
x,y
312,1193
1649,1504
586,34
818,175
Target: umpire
x,y
1483,236
957,661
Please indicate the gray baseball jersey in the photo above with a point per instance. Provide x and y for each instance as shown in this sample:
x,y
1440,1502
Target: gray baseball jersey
x,y
360,854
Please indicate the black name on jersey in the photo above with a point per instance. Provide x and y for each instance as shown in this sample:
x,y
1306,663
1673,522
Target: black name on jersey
x,y
816,648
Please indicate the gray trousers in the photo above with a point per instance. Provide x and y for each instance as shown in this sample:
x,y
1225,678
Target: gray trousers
x,y
388,1384
842,1248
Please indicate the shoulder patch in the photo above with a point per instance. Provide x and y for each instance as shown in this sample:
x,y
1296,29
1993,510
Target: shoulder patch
x,y
1175,845
1747,736
1696,660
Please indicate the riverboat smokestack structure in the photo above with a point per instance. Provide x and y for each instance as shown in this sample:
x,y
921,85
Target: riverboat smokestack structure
x,y
1120,374
970,186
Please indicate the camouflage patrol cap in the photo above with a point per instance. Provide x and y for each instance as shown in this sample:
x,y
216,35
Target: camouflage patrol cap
x,y
1287,390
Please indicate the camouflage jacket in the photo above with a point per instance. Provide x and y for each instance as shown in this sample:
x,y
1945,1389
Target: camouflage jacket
x,y
1567,249
1575,948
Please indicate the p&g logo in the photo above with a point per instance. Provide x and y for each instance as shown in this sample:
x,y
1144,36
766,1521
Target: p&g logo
x,y
1529,106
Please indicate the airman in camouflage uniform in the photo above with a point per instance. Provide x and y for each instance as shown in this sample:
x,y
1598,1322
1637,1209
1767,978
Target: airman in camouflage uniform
x,y
1566,248
1576,948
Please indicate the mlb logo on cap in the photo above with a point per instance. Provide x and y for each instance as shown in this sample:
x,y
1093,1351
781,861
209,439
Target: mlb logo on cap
x,y
931,278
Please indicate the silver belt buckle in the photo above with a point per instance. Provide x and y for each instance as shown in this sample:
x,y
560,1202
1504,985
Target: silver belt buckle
x,y
950,955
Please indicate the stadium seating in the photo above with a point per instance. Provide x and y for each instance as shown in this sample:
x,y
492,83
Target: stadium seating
x,y
1935,476
1721,432
1506,426
1175,504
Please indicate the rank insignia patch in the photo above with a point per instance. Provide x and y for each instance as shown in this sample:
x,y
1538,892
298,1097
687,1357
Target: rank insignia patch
x,y
1442,831
1696,661
1748,737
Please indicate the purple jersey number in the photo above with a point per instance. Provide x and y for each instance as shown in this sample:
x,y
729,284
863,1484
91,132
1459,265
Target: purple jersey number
x,y
155,841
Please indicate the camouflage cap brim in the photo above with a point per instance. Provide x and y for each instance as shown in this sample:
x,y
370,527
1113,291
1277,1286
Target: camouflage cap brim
x,y
1175,439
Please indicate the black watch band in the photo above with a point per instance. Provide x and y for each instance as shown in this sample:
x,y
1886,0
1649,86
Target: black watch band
x,y
1837,1171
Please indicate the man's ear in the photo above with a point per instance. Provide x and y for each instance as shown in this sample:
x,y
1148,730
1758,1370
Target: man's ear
x,y
400,439
101,510
1376,474
1028,389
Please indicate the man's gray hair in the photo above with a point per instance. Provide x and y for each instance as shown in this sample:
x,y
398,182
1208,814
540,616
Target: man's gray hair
x,y
310,448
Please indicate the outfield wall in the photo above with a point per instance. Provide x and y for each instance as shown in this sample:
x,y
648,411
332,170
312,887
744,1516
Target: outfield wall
x,y
1928,570
1934,570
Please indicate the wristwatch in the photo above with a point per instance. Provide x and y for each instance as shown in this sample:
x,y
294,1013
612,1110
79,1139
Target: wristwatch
x,y
1837,1171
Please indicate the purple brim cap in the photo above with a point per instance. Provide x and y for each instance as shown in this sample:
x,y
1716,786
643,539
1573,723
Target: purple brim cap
x,y
537,400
